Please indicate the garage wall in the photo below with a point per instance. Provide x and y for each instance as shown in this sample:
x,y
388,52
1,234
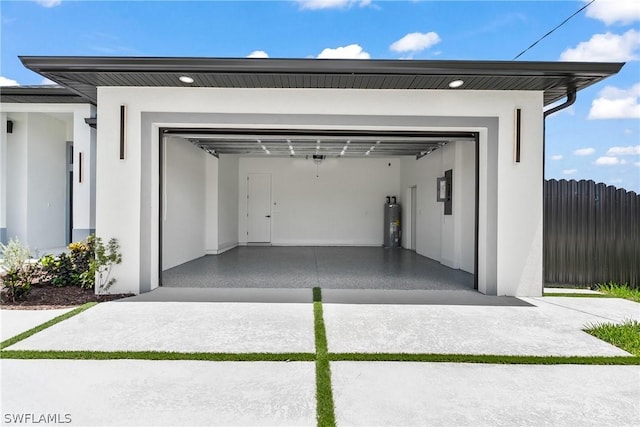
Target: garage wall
x,y
343,205
448,239
184,203
211,204
227,202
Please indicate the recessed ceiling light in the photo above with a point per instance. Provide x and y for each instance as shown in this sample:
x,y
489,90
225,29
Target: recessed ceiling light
x,y
456,83
185,79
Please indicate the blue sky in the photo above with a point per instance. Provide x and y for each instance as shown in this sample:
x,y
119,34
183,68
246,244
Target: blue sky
x,y
598,138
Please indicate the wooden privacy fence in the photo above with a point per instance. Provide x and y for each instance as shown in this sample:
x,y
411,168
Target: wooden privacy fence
x,y
591,234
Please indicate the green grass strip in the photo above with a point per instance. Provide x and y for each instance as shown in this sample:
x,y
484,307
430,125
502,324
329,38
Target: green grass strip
x,y
157,355
317,295
324,393
32,331
484,358
568,295
617,290
625,336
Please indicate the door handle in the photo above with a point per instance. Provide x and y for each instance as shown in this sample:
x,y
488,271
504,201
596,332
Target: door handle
x,y
267,216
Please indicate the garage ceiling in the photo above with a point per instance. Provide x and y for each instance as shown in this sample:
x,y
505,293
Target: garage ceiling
x,y
83,75
305,144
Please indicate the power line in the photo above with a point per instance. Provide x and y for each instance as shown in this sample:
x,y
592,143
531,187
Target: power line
x,y
558,26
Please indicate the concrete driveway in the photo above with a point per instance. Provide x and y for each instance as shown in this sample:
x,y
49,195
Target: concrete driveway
x,y
196,392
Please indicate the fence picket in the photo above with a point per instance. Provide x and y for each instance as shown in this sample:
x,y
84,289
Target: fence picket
x,y
591,234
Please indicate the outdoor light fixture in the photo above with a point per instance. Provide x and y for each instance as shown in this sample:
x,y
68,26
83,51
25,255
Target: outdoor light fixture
x,y
186,79
123,130
80,167
517,135
456,83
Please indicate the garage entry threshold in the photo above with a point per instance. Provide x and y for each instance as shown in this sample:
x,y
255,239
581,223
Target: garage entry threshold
x,y
294,267
329,296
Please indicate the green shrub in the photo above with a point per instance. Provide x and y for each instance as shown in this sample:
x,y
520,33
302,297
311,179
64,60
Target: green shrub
x,y
87,261
18,273
59,271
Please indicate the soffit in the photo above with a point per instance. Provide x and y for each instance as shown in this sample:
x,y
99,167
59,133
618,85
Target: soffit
x,y
83,75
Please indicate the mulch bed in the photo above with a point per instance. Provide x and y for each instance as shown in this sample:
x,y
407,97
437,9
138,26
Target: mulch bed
x,y
47,297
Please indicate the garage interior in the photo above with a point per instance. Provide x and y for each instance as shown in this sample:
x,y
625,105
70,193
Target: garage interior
x,y
304,208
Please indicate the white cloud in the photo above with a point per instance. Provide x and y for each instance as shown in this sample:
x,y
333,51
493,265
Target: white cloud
x,y
46,81
623,151
615,103
415,42
556,157
49,3
258,54
569,171
612,11
8,82
584,151
606,161
353,51
606,47
331,4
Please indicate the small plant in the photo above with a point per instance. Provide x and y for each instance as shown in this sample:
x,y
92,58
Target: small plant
x,y
19,273
619,291
103,261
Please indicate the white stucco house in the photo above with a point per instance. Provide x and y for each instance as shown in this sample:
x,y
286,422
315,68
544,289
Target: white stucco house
x,y
209,154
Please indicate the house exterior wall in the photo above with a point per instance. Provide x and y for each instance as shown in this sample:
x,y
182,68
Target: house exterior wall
x,y
16,195
46,182
35,195
3,177
510,233
35,124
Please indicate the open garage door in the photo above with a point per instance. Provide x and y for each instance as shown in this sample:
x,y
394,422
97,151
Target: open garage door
x,y
316,198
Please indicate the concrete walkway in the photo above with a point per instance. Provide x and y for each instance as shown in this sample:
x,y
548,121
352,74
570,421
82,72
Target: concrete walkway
x,y
15,322
144,392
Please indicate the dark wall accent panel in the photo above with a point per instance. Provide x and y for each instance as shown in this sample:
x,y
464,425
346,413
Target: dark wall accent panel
x,y
448,203
123,130
517,135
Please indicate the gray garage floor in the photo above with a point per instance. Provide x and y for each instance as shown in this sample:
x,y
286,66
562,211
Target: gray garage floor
x,y
325,267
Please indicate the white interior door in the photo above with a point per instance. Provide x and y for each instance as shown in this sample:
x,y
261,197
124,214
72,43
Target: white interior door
x,y
259,208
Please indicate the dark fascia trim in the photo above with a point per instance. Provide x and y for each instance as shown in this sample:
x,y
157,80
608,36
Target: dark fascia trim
x,y
41,91
41,64
315,132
